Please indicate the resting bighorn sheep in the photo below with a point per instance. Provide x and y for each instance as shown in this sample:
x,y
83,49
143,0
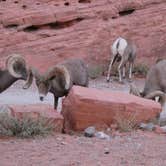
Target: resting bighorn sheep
x,y
15,70
60,78
155,86
124,51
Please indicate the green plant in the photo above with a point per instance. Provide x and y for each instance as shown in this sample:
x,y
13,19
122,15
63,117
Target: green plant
x,y
25,127
141,69
126,123
95,71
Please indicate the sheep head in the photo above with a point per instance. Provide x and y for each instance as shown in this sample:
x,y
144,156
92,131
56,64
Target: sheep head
x,y
56,78
152,95
16,66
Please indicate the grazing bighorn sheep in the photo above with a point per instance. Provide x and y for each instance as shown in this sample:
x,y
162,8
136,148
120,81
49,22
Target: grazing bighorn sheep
x,y
60,78
124,51
15,70
155,86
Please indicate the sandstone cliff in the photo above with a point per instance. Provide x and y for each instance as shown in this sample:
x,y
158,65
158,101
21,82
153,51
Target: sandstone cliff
x,y
48,31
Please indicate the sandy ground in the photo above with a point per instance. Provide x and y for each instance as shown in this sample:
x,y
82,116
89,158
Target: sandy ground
x,y
16,95
133,149
129,149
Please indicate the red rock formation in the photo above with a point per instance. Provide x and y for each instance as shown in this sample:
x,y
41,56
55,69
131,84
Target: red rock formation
x,y
86,106
47,31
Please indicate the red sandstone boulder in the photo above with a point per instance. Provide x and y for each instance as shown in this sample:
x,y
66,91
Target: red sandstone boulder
x,y
34,111
84,107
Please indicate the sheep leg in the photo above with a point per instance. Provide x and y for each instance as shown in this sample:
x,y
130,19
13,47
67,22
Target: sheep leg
x,y
55,102
109,69
119,69
130,71
124,71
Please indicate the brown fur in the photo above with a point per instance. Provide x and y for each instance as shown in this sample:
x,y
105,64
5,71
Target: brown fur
x,y
54,80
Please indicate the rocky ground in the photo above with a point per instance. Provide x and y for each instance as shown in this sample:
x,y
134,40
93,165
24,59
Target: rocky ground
x,y
123,149
132,149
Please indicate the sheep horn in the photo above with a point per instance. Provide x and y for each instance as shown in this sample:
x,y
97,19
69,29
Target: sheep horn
x,y
62,71
162,95
134,90
32,72
11,61
156,93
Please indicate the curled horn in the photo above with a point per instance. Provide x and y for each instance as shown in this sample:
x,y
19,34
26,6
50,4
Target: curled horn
x,y
32,72
61,72
134,90
11,61
162,100
158,93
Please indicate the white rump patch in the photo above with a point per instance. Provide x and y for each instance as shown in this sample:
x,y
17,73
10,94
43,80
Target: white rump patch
x,y
121,48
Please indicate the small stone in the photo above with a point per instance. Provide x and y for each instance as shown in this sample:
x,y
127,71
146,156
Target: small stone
x,y
159,130
5,109
106,151
164,128
162,119
148,126
102,135
63,143
90,131
142,125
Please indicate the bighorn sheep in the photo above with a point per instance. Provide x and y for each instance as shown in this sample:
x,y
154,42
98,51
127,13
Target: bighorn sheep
x,y
155,86
15,70
60,78
123,51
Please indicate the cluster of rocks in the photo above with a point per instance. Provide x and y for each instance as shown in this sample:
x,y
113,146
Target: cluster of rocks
x,y
92,132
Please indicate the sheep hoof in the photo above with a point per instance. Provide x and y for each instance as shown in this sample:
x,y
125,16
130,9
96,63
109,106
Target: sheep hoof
x,y
130,80
121,82
108,80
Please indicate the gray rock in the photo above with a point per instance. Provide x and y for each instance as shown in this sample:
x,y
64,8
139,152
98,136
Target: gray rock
x,y
148,126
90,131
106,151
164,128
5,109
102,135
162,119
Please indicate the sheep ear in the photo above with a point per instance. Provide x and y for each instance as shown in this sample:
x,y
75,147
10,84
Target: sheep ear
x,y
134,90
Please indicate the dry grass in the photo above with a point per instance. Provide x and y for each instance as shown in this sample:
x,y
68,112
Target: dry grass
x,y
96,71
141,69
25,127
126,123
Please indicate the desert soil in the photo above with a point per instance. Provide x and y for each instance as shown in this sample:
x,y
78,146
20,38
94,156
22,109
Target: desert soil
x,y
137,148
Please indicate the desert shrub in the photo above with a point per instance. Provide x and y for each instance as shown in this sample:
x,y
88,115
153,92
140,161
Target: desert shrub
x,y
126,124
95,71
24,127
141,69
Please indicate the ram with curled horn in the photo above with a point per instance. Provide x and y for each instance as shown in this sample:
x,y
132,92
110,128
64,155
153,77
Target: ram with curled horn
x,y
155,87
60,78
15,70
